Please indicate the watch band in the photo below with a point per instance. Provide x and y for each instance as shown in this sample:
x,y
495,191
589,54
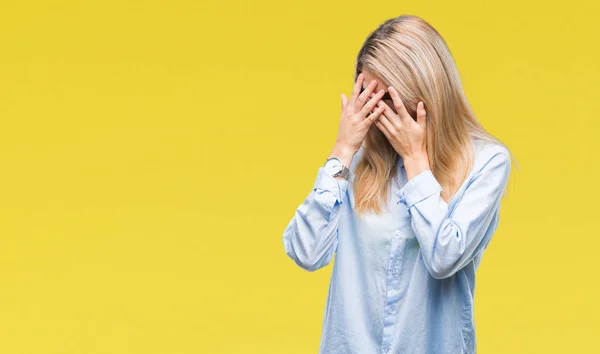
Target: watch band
x,y
344,172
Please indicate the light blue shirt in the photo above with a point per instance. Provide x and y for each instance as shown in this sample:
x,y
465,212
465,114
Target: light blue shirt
x,y
402,281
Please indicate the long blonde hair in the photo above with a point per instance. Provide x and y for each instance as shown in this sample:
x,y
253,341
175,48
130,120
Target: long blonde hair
x,y
409,54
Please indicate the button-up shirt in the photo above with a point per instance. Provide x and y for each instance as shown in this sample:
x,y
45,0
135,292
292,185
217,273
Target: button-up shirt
x,y
403,281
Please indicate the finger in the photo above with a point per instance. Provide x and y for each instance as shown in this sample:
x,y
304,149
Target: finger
x,y
373,117
383,119
364,95
399,105
382,129
388,111
372,103
421,114
371,96
344,102
357,87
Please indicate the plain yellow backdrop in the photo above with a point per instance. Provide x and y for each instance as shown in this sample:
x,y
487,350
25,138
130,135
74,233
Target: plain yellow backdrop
x,y
152,152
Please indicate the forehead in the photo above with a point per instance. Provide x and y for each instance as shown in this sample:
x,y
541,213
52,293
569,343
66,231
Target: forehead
x,y
370,77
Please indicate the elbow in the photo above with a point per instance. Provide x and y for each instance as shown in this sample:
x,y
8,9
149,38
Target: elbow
x,y
307,258
308,265
448,248
444,263
440,271
308,262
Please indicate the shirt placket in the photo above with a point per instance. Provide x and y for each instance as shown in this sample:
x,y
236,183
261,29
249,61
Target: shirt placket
x,y
393,289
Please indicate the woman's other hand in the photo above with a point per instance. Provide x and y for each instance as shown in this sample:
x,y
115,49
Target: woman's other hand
x,y
407,136
356,119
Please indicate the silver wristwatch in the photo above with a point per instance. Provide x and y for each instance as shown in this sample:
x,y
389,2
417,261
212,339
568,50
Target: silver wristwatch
x,y
335,167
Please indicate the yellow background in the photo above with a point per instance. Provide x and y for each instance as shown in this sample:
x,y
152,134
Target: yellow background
x,y
152,152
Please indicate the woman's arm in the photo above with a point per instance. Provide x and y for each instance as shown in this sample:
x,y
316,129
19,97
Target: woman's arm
x,y
311,237
449,242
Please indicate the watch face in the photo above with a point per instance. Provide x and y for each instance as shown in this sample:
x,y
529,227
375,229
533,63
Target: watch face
x,y
333,166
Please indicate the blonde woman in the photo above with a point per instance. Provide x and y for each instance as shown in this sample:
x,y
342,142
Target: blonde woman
x,y
408,201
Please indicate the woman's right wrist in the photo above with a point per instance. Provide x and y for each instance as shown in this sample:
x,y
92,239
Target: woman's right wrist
x,y
344,153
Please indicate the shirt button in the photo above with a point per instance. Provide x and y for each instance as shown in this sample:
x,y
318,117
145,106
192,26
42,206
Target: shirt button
x,y
386,349
398,232
395,271
390,310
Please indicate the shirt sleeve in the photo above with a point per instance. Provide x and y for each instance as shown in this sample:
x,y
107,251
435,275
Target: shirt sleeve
x,y
450,241
311,236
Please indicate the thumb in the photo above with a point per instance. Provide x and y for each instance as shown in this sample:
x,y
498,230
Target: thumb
x,y
344,101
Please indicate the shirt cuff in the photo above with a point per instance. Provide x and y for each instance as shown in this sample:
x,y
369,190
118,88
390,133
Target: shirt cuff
x,y
418,188
328,183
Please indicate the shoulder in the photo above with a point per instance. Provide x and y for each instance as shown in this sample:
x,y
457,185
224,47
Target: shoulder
x,y
491,156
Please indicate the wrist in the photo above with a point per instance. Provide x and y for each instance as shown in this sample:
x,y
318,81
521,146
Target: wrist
x,y
344,153
416,164
416,158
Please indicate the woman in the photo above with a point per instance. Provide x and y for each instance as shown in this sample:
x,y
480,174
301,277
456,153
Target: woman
x,y
407,201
